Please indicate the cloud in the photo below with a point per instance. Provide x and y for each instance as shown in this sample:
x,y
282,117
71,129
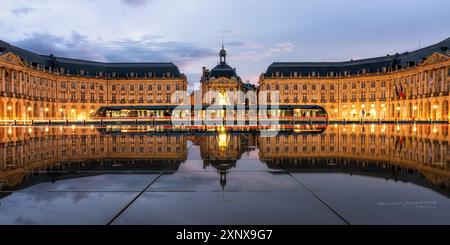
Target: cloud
x,y
146,49
258,52
21,11
243,44
136,3
74,46
282,47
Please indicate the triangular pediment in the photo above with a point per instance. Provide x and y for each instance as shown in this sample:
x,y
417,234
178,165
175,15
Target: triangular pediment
x,y
13,180
436,178
436,58
12,59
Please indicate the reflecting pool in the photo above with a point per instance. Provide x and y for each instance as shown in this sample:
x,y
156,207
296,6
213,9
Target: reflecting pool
x,y
313,174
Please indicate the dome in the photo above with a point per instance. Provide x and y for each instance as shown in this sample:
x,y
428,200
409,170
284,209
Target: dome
x,y
223,70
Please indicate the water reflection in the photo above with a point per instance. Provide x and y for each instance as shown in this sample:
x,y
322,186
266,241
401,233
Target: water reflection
x,y
131,159
409,152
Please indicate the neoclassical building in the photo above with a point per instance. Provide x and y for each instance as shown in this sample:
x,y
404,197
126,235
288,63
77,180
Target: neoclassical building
x,y
408,86
221,85
45,87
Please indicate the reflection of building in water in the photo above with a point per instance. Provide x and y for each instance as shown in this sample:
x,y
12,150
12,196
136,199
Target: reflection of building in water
x,y
420,150
424,148
24,149
222,150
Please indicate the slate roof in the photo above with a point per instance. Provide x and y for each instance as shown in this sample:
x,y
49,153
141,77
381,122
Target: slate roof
x,y
371,65
223,70
92,68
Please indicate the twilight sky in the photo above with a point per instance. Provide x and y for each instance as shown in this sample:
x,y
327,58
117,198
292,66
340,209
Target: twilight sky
x,y
189,32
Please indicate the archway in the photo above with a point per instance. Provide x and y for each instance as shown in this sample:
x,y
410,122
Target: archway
x,y
2,110
445,115
47,112
427,109
410,111
419,110
398,109
434,111
19,115
35,110
53,111
29,111
9,110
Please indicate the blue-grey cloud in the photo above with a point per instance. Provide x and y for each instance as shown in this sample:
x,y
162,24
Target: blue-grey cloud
x,y
136,3
147,49
74,46
21,11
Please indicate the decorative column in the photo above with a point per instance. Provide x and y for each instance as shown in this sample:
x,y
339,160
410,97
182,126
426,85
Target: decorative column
x,y
19,82
12,80
3,79
433,90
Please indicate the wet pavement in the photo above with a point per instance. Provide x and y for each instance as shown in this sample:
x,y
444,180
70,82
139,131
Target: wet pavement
x,y
343,174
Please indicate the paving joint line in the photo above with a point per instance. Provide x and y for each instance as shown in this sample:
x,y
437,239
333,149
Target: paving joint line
x,y
318,198
142,192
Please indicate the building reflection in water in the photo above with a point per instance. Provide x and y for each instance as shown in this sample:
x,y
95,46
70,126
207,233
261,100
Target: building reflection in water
x,y
413,153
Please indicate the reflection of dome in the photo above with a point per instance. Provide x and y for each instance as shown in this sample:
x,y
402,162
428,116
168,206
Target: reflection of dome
x,y
222,166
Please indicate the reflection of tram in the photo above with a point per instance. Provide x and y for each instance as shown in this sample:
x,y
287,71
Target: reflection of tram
x,y
177,130
282,113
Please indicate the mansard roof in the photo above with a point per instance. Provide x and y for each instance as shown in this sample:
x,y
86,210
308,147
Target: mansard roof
x,y
369,65
223,70
93,68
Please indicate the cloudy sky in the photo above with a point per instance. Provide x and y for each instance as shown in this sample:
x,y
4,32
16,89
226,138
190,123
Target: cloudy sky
x,y
256,32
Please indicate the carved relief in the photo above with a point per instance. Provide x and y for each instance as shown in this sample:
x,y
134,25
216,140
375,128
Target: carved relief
x,y
12,59
436,58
